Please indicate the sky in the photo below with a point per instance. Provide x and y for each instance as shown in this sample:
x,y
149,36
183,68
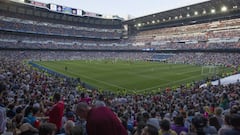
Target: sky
x,y
122,8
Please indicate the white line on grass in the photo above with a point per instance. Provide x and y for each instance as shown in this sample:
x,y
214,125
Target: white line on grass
x,y
110,84
157,86
191,71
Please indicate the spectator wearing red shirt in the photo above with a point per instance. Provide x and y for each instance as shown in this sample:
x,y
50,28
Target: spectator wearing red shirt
x,y
56,112
100,120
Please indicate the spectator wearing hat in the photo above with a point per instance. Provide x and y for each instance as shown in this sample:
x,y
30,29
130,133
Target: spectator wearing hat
x,y
149,130
153,122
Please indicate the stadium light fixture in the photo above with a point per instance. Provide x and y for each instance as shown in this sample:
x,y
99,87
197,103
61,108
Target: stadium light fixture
x,y
188,15
153,22
224,9
180,16
176,17
147,22
169,18
204,12
213,11
164,20
196,13
158,21
234,7
139,24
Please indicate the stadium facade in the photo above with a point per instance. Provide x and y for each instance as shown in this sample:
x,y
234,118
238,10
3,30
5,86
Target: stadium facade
x,y
195,28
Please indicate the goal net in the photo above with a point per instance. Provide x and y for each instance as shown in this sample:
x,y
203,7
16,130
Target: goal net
x,y
209,70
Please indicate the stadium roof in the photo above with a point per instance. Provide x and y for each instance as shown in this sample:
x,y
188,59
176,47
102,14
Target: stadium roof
x,y
206,10
44,13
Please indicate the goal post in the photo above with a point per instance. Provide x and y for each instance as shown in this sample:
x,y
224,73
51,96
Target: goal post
x,y
206,70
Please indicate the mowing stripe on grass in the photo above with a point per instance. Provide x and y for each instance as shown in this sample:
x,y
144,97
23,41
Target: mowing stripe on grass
x,y
172,82
117,75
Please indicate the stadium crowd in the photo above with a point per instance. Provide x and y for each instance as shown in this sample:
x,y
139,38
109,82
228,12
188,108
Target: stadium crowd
x,y
9,40
33,102
213,35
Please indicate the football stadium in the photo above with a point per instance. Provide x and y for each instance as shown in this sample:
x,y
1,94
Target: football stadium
x,y
70,71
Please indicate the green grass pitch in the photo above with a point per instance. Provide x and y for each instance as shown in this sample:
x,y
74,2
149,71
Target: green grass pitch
x,y
137,76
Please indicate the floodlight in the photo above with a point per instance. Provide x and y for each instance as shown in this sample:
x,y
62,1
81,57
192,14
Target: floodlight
x,y
188,15
213,11
153,22
196,13
235,7
204,12
139,24
224,9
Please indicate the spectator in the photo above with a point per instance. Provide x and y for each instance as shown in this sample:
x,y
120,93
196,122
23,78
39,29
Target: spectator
x,y
68,127
213,121
218,113
100,101
165,128
224,101
47,129
28,129
201,127
100,120
178,125
140,126
226,126
3,116
77,130
149,130
56,112
235,122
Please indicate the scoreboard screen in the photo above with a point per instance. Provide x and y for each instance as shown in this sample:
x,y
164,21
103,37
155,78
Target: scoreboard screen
x,y
65,10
